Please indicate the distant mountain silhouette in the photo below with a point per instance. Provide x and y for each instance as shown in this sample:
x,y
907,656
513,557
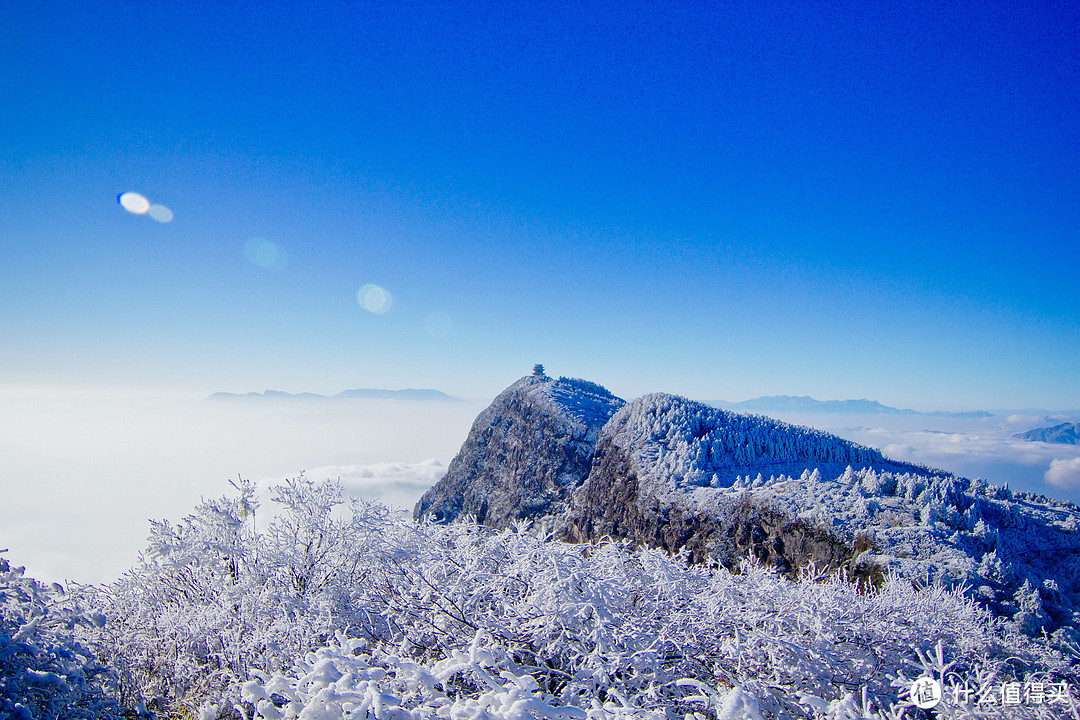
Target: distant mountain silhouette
x,y
1066,433
804,403
363,393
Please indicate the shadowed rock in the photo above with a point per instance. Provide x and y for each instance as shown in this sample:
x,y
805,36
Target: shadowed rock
x,y
663,475
525,453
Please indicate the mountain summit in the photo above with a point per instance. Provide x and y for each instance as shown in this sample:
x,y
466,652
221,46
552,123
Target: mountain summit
x,y
681,475
525,453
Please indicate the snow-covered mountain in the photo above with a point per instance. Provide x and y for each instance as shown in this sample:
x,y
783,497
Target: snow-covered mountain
x,y
330,609
672,473
525,453
1066,433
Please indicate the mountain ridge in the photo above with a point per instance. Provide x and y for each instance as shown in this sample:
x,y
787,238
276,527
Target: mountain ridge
x,y
680,475
1066,433
524,452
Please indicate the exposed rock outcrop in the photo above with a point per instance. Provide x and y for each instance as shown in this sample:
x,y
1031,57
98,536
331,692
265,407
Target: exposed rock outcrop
x,y
612,504
663,475
525,453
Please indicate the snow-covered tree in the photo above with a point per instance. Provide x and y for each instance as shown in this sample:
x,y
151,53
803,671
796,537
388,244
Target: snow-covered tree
x,y
45,671
345,608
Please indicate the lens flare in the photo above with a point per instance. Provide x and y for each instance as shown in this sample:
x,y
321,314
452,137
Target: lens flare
x,y
262,253
374,299
160,213
133,202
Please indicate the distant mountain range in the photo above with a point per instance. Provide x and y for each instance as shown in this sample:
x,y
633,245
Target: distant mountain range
x,y
359,393
1066,433
804,403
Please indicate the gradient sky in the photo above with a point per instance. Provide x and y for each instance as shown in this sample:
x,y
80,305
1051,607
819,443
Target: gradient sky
x,y
722,200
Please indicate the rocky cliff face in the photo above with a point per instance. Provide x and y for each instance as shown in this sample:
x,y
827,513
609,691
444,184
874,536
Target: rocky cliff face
x,y
665,473
679,475
525,453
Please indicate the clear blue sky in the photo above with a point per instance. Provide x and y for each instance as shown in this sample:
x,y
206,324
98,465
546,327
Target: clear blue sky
x,y
722,200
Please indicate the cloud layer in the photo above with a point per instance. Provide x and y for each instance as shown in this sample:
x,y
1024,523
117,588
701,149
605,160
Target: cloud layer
x,y
1064,473
396,484
81,476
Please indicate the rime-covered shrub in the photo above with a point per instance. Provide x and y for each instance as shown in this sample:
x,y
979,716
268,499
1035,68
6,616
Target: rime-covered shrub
x,y
336,606
44,671
211,598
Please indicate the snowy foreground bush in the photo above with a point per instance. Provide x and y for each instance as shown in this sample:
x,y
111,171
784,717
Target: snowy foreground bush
x,y
44,671
348,611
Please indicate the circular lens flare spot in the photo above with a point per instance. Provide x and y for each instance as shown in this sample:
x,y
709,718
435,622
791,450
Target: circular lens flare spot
x,y
374,299
160,213
262,253
438,324
133,202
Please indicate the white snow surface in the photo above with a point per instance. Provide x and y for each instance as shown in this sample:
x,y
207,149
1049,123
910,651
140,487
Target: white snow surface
x,y
926,525
372,615
680,444
588,404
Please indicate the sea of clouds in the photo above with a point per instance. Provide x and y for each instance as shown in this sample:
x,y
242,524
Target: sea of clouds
x,y
970,447
80,477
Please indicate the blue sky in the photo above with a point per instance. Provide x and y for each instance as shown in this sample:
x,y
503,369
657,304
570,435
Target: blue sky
x,y
721,200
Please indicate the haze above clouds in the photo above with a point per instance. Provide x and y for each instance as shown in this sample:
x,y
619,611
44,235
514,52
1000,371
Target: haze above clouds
x,y
82,476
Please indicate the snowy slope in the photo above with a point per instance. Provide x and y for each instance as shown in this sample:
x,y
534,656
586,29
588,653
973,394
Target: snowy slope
x,y
678,443
1018,553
